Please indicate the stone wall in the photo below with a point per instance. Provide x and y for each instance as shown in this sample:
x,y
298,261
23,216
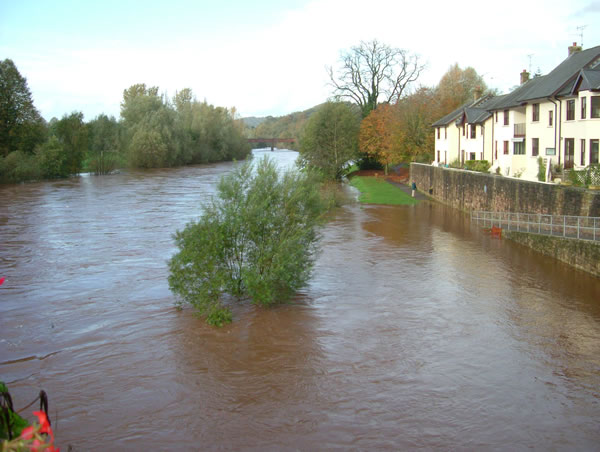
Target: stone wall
x,y
467,190
582,254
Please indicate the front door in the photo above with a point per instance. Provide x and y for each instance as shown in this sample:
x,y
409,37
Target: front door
x,y
569,152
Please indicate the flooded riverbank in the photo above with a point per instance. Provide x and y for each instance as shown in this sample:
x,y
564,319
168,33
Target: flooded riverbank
x,y
416,331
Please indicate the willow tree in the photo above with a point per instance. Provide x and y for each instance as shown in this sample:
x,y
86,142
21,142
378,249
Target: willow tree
x,y
374,71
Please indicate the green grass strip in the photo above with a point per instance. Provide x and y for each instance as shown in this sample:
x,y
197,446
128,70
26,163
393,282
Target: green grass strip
x,y
375,190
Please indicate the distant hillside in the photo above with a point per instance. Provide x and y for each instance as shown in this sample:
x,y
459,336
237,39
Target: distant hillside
x,y
288,126
253,122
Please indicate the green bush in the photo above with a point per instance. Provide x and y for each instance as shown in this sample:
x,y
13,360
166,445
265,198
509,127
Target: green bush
x,y
256,239
18,167
482,166
585,177
52,159
541,175
455,164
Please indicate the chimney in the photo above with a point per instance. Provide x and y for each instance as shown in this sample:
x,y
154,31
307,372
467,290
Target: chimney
x,y
524,76
574,49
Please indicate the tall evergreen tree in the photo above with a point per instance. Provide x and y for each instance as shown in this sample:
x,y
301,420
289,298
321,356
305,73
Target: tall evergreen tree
x,y
21,126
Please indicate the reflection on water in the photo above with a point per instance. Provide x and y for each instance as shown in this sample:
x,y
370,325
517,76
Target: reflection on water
x,y
416,331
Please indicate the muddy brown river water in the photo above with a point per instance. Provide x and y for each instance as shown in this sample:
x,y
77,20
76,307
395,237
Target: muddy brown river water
x,y
417,331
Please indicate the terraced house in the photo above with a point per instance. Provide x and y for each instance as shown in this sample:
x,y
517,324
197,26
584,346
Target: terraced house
x,y
554,116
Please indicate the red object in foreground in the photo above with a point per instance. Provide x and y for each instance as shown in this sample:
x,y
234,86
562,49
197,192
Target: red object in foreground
x,y
1,281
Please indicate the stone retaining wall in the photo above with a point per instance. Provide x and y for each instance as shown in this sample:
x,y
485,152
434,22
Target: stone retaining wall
x,y
581,254
468,190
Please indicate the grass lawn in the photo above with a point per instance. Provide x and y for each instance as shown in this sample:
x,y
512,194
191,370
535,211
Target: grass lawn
x,y
375,190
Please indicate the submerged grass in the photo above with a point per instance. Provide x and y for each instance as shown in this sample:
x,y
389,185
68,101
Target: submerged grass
x,y
374,190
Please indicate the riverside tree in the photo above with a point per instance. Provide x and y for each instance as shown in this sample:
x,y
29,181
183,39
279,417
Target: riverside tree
x,y
21,126
373,70
256,240
381,136
330,139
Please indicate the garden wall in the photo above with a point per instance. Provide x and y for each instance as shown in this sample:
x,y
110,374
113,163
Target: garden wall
x,y
467,190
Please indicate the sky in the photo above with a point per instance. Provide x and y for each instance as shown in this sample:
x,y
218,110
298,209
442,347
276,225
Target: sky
x,y
269,57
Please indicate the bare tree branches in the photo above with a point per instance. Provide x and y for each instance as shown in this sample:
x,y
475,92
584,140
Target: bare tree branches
x,y
372,70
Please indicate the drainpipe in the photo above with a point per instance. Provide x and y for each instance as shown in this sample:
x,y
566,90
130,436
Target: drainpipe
x,y
483,141
559,123
493,144
458,150
555,122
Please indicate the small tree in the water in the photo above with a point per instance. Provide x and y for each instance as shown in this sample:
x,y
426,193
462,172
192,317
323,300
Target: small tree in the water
x,y
256,239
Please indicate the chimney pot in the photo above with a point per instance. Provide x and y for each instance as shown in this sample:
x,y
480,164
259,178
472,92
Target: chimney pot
x,y
574,49
524,76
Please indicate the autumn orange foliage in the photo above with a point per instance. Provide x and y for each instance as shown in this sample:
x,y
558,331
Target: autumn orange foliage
x,y
380,135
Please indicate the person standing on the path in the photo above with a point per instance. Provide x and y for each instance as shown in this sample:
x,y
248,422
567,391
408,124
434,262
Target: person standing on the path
x,y
414,187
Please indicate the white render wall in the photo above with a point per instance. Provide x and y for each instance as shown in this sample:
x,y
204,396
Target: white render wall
x,y
551,137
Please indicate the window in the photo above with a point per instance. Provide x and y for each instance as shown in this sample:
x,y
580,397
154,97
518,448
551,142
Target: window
x,y
595,106
463,130
471,156
550,151
506,147
445,132
438,157
582,152
550,118
496,116
519,147
535,112
473,131
535,146
505,117
569,152
570,109
438,133
445,157
583,107
496,149
593,152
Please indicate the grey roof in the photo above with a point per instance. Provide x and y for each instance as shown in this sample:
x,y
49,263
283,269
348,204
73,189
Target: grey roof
x,y
450,117
579,71
560,80
476,115
474,112
586,80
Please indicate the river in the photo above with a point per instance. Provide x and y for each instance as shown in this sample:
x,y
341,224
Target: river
x,y
417,330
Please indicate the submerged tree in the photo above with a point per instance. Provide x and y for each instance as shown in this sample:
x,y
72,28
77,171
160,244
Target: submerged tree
x,y
373,70
257,239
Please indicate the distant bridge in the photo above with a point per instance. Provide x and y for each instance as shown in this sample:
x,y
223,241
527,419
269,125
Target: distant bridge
x,y
271,141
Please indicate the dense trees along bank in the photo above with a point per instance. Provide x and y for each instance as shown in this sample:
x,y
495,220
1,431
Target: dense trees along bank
x,y
378,117
154,131
378,81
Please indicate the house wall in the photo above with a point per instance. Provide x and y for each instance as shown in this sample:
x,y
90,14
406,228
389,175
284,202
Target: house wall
x,y
541,129
579,128
467,190
473,145
443,144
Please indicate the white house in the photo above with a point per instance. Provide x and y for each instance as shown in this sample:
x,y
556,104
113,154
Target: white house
x,y
555,116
